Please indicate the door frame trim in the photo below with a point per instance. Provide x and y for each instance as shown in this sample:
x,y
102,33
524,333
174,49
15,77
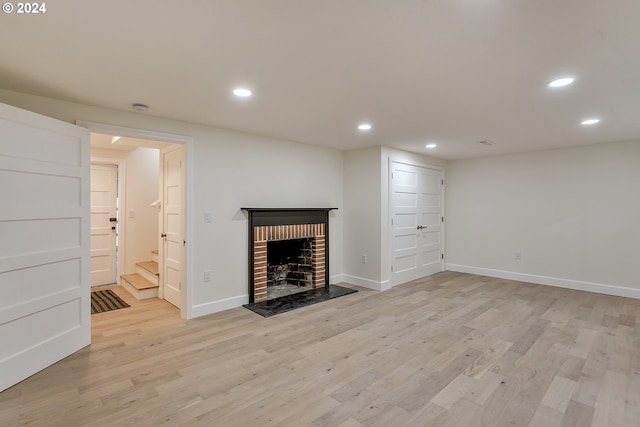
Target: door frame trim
x,y
441,169
121,177
186,311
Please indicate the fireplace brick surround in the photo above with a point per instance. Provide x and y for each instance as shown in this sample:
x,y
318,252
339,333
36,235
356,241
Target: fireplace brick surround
x,y
264,234
266,225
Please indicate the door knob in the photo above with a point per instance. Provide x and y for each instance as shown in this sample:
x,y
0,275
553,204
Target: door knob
x,y
420,227
163,235
113,228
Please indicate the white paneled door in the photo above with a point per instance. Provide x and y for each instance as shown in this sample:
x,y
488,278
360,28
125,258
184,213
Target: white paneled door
x,y
416,221
104,223
44,235
172,236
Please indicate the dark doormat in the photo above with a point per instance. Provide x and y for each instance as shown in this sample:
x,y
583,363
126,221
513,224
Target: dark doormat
x,y
290,302
106,300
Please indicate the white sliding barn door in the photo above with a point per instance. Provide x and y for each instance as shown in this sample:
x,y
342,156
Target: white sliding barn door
x,y
44,235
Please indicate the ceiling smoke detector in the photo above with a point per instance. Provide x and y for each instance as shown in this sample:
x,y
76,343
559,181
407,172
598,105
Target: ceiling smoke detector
x,y
487,142
140,107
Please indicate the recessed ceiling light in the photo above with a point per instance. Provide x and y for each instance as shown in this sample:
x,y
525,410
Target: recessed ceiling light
x,y
565,81
487,142
431,145
242,92
115,139
590,122
364,126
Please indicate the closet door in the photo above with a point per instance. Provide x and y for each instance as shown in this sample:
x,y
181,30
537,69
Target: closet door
x,y
416,222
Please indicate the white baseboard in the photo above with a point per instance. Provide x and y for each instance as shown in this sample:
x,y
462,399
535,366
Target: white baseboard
x,y
220,305
336,279
599,288
365,283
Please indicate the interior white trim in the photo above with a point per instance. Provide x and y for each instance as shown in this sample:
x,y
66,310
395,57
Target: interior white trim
x,y
400,159
366,283
220,305
133,132
599,288
187,310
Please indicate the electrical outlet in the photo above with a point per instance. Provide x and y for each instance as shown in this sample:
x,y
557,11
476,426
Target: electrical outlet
x,y
518,256
363,259
208,216
207,276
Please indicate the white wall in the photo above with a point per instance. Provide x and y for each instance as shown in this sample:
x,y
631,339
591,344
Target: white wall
x,y
235,170
367,212
230,170
573,214
142,187
362,216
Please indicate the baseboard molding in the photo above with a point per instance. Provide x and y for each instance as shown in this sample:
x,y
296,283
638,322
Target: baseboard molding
x,y
338,278
217,306
366,283
599,288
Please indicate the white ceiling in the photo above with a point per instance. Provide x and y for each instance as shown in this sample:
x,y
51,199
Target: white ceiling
x,y
454,72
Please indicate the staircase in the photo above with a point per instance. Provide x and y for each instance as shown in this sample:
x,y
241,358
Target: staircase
x,y
144,283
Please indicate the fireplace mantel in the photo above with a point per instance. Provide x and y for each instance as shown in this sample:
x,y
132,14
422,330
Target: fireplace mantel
x,y
279,216
285,223
287,209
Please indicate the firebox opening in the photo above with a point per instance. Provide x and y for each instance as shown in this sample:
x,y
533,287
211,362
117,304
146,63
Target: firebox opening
x,y
289,267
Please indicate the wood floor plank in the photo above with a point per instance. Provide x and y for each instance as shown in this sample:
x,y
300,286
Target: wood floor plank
x,y
559,394
448,349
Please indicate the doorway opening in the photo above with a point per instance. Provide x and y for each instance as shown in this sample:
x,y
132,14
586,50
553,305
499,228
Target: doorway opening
x,y
148,225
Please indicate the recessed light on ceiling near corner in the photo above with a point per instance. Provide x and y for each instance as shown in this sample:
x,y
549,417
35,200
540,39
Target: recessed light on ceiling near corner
x,y
242,92
588,122
364,126
431,145
565,81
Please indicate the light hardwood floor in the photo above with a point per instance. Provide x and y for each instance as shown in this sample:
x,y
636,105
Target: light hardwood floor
x,y
448,350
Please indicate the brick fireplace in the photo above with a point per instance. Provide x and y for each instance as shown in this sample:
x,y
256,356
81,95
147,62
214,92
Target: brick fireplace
x,y
275,225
